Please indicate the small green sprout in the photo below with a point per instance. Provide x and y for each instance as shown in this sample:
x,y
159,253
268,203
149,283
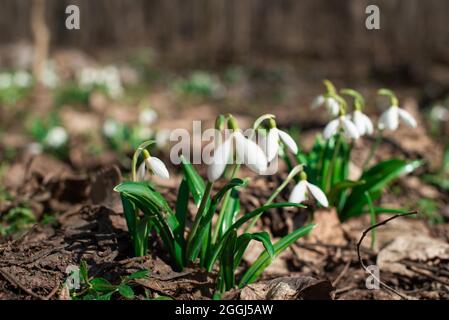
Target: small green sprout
x,y
98,288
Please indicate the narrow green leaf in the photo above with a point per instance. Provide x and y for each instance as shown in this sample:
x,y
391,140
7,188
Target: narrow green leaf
x,y
84,271
195,182
206,218
264,259
227,261
244,240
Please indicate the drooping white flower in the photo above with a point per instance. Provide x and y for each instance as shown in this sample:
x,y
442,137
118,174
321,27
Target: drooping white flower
x,y
303,188
342,122
390,118
330,103
147,117
154,165
247,152
56,137
363,123
272,143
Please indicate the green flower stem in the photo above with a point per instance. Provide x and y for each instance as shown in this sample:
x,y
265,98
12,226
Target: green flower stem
x,y
293,173
199,214
373,150
223,207
333,162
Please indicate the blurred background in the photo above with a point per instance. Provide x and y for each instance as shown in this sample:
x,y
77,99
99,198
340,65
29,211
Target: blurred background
x,y
413,40
136,69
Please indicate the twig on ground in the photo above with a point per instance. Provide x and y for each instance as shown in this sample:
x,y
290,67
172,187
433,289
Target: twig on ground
x,y
11,279
342,274
360,257
431,276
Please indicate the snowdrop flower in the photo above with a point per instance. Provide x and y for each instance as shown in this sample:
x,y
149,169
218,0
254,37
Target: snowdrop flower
x,y
342,122
363,123
22,79
162,137
49,76
330,103
154,165
34,148
110,127
361,120
144,133
328,100
147,116
439,113
303,188
246,151
56,137
5,80
274,137
390,118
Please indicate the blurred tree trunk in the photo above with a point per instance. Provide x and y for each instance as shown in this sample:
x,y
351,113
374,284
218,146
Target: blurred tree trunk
x,y
41,36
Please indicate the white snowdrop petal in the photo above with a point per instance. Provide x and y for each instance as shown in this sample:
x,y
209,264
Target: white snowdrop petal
x,y
331,129
359,122
390,118
317,102
318,194
158,167
369,129
298,194
332,106
272,142
407,118
141,172
288,141
220,160
350,129
251,154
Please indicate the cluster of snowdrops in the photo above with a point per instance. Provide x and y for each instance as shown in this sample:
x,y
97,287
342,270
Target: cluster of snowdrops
x,y
218,243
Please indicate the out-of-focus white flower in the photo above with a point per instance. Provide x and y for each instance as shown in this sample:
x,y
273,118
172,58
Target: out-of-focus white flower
x,y
22,79
342,122
362,122
108,77
300,191
56,137
330,103
162,137
247,152
390,118
5,80
147,116
439,113
154,165
49,76
34,148
144,133
274,137
110,128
